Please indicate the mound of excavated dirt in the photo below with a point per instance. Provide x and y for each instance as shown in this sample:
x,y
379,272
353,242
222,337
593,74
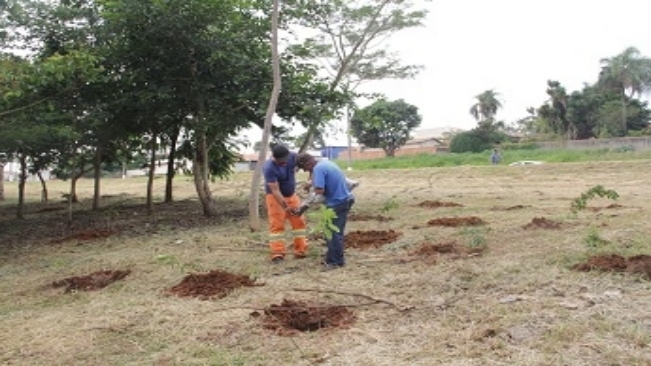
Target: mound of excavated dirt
x,y
431,252
87,235
609,207
542,223
365,217
296,316
456,221
510,208
370,239
639,264
437,204
93,281
214,284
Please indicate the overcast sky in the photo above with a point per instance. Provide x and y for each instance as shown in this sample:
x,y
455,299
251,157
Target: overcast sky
x,y
513,47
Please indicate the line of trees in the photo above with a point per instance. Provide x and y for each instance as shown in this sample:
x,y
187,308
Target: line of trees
x,y
610,107
89,83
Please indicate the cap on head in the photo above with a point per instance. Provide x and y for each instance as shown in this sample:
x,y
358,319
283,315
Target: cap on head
x,y
280,153
302,159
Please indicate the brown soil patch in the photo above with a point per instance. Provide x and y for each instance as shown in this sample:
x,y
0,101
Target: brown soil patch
x,y
214,284
542,223
456,221
609,207
437,204
365,217
292,316
431,252
87,235
639,264
370,239
510,208
93,281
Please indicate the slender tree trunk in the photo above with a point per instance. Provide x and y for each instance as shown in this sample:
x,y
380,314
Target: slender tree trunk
x,y
171,167
624,115
2,182
152,171
349,151
201,177
44,197
72,195
21,186
254,204
97,165
73,188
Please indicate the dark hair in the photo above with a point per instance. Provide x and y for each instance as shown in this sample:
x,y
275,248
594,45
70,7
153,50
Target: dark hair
x,y
302,159
280,151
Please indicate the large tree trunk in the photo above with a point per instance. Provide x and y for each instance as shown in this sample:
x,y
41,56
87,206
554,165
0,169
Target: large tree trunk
x,y
201,172
254,198
21,186
97,165
152,171
171,167
44,197
2,182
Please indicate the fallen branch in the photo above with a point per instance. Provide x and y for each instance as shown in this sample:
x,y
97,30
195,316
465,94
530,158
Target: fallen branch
x,y
375,300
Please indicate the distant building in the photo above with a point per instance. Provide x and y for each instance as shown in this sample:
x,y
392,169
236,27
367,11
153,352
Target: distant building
x,y
425,141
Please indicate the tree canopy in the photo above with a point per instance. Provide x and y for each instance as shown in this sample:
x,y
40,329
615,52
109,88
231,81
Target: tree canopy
x,y
385,124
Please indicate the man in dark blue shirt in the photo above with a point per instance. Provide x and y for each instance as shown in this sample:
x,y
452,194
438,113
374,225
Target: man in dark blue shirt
x,y
282,202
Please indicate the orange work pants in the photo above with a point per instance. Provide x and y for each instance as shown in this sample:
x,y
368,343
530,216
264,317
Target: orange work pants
x,y
277,218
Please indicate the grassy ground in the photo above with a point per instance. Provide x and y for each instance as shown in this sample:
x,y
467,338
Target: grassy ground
x,y
518,303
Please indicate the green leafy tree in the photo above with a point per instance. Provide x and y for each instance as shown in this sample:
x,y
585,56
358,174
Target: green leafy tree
x,y
629,73
486,107
385,124
350,42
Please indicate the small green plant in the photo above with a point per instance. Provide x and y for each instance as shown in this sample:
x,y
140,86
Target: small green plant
x,y
172,261
475,237
389,204
593,240
581,202
324,225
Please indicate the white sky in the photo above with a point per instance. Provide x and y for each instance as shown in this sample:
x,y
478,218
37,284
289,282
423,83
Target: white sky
x,y
511,46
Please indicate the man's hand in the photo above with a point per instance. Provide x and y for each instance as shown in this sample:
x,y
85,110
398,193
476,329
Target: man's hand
x,y
301,210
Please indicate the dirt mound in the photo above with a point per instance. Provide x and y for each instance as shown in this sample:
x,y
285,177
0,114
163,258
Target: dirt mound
x,y
609,207
370,239
365,217
93,281
511,208
639,264
214,284
431,252
456,221
293,316
542,223
87,235
437,204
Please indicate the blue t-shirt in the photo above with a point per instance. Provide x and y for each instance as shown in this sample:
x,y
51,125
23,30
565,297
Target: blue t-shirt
x,y
284,175
328,176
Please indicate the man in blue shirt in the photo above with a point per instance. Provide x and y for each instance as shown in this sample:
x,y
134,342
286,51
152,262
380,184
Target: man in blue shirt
x,y
330,184
282,202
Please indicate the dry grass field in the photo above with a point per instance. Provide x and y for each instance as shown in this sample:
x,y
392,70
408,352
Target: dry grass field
x,y
469,266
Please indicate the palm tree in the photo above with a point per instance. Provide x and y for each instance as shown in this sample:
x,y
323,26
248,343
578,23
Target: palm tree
x,y
629,73
487,106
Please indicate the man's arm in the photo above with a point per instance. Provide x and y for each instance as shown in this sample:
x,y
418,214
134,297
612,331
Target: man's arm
x,y
275,191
